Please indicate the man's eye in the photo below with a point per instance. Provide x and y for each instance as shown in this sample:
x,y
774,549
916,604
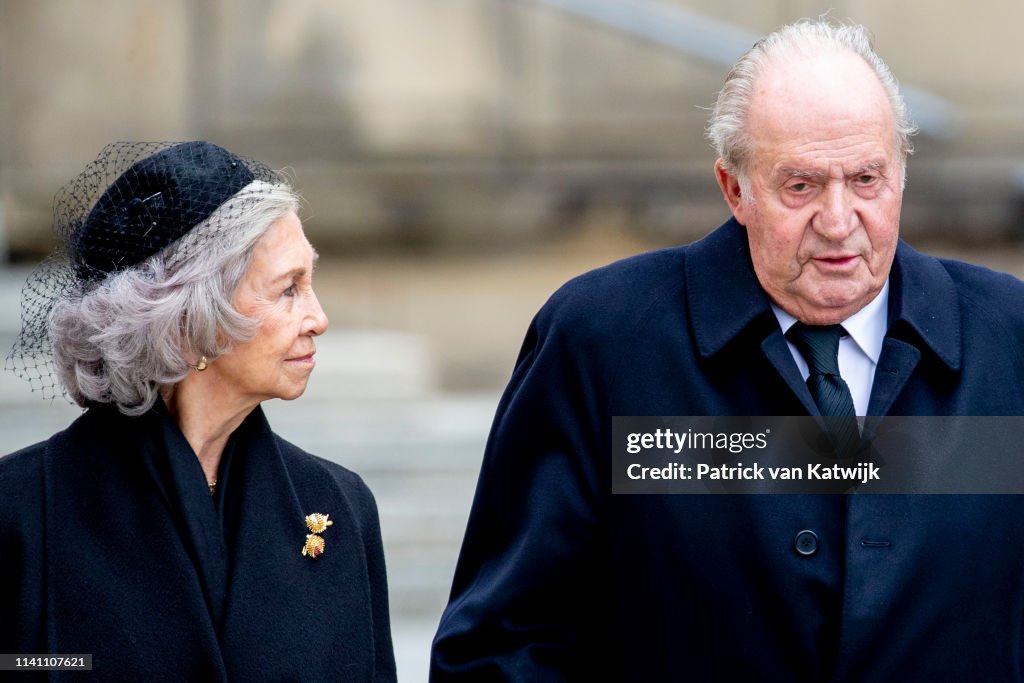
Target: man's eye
x,y
866,179
799,188
291,291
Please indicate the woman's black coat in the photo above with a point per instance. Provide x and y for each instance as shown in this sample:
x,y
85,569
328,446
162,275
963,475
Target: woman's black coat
x,y
111,545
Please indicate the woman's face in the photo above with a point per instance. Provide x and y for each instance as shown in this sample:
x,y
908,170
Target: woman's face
x,y
277,290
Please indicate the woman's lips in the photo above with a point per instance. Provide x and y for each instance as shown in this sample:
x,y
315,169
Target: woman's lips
x,y
308,358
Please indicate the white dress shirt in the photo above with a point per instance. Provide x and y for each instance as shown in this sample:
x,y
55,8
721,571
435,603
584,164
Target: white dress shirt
x,y
859,349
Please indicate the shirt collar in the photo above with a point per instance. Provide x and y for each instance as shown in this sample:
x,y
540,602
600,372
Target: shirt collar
x,y
866,327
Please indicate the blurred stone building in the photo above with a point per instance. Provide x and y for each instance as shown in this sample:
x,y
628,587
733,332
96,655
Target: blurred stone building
x,y
482,122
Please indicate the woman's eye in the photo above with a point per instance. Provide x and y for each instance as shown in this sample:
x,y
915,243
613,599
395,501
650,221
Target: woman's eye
x,y
291,291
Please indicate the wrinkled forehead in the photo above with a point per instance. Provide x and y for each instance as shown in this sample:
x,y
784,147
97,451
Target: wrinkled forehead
x,y
836,95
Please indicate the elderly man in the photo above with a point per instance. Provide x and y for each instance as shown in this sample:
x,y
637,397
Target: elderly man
x,y
560,579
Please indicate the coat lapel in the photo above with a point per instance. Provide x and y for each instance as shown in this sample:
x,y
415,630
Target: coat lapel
x,y
776,350
200,523
895,366
923,306
922,317
727,301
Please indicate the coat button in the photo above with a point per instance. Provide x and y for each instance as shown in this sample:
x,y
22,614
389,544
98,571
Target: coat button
x,y
806,542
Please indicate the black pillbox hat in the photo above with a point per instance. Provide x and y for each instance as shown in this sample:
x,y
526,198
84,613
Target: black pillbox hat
x,y
154,203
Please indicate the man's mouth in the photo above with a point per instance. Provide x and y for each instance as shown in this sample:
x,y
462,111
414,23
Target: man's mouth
x,y
838,260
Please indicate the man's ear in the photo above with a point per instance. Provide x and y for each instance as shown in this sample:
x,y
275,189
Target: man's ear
x,y
730,186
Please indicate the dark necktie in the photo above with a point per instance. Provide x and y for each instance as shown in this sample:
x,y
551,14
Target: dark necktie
x,y
819,345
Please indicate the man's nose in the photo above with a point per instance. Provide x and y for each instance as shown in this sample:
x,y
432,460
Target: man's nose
x,y
835,217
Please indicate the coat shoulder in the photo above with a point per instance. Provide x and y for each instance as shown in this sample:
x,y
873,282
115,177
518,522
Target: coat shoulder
x,y
22,547
989,299
984,282
23,463
611,295
312,472
21,481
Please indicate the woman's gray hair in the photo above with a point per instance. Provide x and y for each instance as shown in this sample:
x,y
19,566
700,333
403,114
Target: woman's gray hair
x,y
133,333
727,125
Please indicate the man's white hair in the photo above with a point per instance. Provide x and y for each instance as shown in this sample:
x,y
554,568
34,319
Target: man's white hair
x,y
727,128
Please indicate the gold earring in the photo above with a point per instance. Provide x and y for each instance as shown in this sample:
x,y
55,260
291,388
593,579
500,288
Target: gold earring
x,y
201,365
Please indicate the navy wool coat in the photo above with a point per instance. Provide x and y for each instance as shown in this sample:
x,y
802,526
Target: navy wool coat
x,y
558,579
111,545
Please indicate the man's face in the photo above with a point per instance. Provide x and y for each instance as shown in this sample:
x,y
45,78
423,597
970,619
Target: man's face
x,y
825,186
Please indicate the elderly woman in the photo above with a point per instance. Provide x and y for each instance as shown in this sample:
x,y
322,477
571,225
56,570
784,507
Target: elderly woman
x,y
168,532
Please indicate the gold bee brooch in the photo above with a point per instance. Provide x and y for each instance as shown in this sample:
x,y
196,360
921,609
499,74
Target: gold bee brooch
x,y
314,545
